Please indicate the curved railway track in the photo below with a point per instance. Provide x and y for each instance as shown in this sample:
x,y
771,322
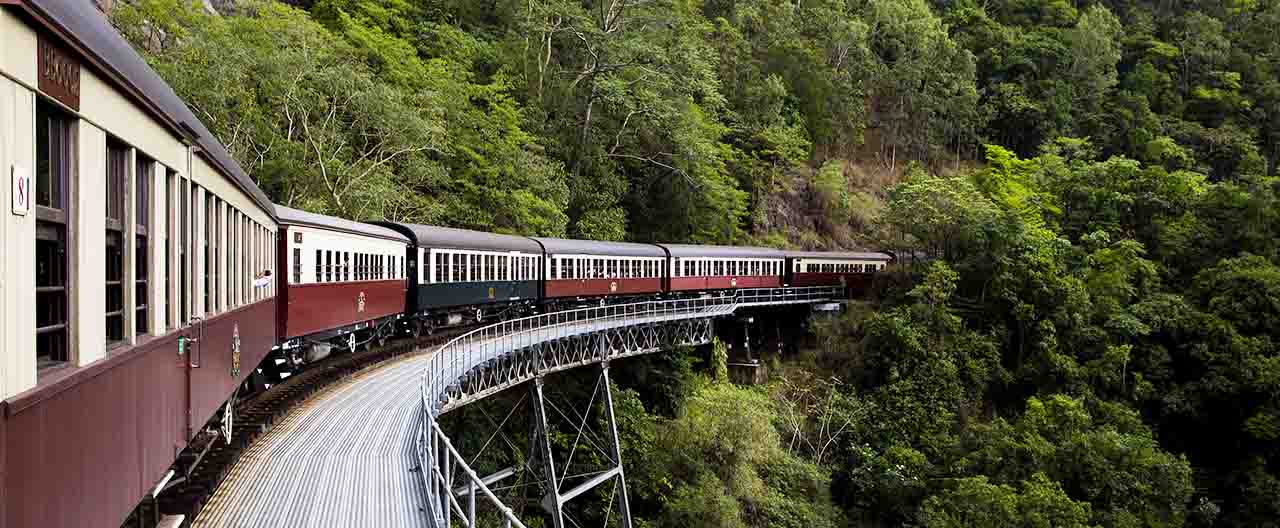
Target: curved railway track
x,y
210,458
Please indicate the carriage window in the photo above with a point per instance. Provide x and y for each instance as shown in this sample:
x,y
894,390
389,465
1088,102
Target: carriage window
x,y
442,260
209,276
55,159
184,238
142,177
116,180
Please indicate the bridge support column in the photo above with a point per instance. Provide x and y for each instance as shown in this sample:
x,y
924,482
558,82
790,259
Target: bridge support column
x,y
624,504
552,502
555,499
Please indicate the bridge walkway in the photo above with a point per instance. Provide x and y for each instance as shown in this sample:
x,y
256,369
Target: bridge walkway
x,y
341,460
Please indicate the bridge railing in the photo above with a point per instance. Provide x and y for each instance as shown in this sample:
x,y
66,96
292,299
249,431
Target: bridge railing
x,y
450,362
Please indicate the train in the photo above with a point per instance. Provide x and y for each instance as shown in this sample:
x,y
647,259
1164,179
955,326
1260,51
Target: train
x,y
147,280
349,283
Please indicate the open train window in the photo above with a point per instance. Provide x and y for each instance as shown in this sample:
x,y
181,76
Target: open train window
x,y
180,197
143,168
210,234
116,183
297,265
55,161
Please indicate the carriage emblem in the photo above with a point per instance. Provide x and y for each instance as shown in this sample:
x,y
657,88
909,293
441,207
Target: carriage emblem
x,y
492,293
360,302
235,351
733,282
843,282
613,286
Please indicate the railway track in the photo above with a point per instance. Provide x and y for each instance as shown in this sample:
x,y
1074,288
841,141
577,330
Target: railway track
x,y
208,459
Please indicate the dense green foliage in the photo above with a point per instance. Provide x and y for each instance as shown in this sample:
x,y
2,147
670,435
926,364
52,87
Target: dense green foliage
x,y
1082,196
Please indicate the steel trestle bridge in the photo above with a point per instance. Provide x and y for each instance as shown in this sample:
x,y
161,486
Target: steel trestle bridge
x,y
501,356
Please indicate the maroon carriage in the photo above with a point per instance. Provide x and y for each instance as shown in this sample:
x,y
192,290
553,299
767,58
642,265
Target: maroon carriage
x,y
702,268
588,268
345,281
852,270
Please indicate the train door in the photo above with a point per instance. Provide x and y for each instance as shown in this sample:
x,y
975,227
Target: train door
x,y
189,353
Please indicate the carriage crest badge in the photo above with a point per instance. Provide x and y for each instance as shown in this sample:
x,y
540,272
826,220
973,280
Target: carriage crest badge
x,y
613,287
235,351
360,302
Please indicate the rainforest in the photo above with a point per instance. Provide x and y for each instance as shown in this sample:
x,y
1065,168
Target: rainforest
x,y
1082,323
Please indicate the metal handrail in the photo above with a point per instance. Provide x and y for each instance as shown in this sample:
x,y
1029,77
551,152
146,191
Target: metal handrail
x,y
461,354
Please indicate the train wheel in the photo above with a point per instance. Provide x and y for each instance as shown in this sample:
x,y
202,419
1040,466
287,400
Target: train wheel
x,y
415,329
351,342
429,327
479,315
381,339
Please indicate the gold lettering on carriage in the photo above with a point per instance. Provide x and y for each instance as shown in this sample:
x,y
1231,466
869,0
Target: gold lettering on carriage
x,y
59,73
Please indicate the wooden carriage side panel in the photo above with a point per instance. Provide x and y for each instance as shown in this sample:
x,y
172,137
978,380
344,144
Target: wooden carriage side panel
x,y
323,306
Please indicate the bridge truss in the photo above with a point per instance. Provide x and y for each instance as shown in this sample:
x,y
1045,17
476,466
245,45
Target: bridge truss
x,y
501,356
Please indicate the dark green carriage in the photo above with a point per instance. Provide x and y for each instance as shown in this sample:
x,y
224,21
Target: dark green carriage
x,y
458,270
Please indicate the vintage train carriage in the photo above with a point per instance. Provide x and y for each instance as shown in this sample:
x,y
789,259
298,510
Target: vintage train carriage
x,y
344,281
588,268
702,268
850,269
461,274
127,230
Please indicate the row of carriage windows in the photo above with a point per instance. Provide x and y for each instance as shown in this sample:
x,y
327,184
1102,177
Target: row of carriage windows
x,y
841,268
606,268
483,267
727,268
128,275
345,266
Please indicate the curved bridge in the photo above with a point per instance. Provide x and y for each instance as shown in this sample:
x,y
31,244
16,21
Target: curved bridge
x,y
497,357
